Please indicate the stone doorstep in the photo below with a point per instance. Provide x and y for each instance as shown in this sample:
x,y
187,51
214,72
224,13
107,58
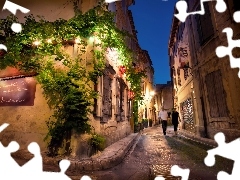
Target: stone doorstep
x,y
193,137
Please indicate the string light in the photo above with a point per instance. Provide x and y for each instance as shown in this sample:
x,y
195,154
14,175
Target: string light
x,y
77,40
36,43
49,41
91,39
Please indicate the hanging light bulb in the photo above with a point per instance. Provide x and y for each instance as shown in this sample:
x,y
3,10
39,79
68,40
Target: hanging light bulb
x,y
36,43
91,39
49,41
77,40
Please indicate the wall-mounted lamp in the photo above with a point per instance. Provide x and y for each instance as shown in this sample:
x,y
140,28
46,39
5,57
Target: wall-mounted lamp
x,y
152,93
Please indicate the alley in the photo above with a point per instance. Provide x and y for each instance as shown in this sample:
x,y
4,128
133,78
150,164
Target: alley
x,y
154,154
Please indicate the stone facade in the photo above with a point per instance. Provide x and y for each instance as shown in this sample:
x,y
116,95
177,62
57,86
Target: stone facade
x,y
206,89
112,111
147,109
164,96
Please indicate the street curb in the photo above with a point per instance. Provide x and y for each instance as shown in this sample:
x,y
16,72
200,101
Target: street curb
x,y
193,137
110,157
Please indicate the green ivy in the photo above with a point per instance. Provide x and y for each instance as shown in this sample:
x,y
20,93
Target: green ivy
x,y
69,90
97,142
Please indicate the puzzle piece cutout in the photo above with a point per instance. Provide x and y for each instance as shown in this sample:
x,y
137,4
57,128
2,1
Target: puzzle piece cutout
x,y
182,6
236,16
228,150
159,177
223,51
177,171
85,178
33,169
110,1
16,27
8,164
3,126
12,7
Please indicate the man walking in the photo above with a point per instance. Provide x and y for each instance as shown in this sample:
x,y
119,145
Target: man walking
x,y
163,115
175,122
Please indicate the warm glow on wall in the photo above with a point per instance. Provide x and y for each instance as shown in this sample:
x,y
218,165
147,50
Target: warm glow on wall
x,y
77,40
152,93
91,39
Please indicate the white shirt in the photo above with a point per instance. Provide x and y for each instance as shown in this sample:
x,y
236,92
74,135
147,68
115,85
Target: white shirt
x,y
163,115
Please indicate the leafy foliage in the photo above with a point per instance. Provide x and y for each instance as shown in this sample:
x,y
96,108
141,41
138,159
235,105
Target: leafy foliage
x,y
97,142
67,80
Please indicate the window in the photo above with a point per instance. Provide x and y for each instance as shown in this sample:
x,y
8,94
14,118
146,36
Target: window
x,y
120,102
204,25
98,101
107,98
216,95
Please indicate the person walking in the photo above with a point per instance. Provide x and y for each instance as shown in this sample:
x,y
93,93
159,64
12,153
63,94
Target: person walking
x,y
163,116
175,120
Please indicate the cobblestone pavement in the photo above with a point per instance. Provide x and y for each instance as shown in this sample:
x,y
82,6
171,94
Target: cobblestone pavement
x,y
154,154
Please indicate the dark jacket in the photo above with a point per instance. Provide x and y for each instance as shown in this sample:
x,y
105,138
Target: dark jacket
x,y
175,116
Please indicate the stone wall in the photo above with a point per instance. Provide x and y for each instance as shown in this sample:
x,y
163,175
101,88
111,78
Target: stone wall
x,y
165,95
210,117
27,123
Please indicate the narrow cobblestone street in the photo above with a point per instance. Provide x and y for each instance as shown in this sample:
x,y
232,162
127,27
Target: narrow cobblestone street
x,y
154,154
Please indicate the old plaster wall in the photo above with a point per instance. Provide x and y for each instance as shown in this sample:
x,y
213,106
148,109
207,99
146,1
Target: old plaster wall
x,y
27,123
107,121
51,10
167,97
209,62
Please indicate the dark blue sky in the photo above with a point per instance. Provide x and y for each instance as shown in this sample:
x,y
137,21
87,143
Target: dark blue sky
x,y
153,20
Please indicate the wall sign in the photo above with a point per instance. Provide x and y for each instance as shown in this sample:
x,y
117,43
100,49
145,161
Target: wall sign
x,y
17,91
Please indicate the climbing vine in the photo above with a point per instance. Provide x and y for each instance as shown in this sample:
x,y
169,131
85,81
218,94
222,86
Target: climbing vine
x,y
67,81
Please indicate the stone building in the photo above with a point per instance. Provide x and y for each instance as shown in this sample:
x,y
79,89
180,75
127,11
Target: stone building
x,y
112,111
144,62
206,88
147,109
164,96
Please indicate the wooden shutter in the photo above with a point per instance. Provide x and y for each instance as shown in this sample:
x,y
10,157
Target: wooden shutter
x,y
98,100
204,25
107,99
216,95
220,94
212,100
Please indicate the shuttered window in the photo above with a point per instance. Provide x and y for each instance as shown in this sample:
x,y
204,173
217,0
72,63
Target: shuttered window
x,y
107,98
120,100
216,95
204,25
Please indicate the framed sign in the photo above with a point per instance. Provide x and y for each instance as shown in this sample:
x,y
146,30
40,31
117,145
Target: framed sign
x,y
17,92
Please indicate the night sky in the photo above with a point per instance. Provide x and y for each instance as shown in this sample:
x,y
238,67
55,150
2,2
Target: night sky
x,y
153,20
